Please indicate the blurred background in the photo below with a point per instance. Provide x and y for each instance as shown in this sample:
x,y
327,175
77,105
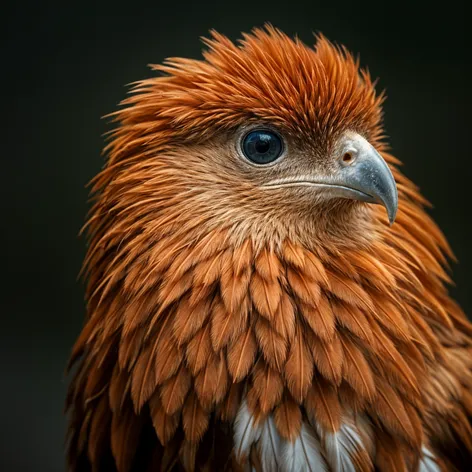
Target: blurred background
x,y
66,64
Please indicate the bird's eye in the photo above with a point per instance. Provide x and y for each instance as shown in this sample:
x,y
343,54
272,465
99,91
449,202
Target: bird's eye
x,y
262,146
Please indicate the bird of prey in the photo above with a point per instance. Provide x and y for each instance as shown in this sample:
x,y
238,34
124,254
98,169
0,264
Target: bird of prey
x,y
265,289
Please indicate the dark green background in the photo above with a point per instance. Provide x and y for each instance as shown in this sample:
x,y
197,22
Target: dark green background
x,y
63,66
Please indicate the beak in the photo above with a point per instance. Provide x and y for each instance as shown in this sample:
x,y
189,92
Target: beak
x,y
360,173
363,175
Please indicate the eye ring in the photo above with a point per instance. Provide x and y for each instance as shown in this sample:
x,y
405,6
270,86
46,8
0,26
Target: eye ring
x,y
262,146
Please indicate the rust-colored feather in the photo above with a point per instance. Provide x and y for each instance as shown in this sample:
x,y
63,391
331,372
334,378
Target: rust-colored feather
x,y
284,319
194,419
294,255
168,359
299,367
174,390
188,318
350,292
234,286
392,316
242,257
392,361
315,270
199,350
268,387
323,406
125,433
390,457
265,296
207,272
272,345
328,357
268,265
164,424
212,382
353,319
230,405
320,318
145,378
99,423
170,293
356,370
241,354
288,419
119,388
130,348
225,326
308,291
396,416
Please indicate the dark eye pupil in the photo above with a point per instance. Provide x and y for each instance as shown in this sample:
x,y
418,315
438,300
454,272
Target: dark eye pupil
x,y
262,146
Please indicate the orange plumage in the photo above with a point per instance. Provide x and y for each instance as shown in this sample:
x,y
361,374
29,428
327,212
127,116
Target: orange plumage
x,y
244,315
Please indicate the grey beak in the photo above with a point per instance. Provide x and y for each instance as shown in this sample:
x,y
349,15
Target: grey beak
x,y
364,175
360,173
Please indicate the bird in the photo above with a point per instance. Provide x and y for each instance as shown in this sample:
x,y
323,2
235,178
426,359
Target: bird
x,y
265,288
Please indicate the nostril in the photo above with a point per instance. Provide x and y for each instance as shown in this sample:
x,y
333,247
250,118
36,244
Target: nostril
x,y
348,158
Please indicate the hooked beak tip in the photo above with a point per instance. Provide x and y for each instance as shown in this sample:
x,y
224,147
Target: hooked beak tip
x,y
390,202
370,174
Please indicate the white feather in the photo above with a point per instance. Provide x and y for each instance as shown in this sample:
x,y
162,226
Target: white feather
x,y
341,446
270,446
428,464
246,433
304,454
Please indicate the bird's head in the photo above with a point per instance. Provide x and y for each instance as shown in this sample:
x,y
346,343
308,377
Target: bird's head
x,y
269,138
238,270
